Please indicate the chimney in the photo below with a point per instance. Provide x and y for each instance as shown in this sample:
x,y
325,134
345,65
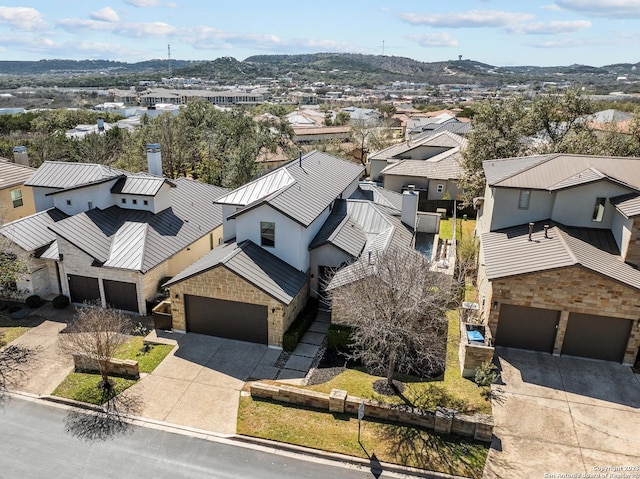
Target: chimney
x,y
546,231
409,213
154,159
100,124
20,156
530,230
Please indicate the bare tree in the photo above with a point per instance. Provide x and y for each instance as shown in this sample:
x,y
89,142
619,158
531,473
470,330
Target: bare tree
x,y
97,333
13,360
396,305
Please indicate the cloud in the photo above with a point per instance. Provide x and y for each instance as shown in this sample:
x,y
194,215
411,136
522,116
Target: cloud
x,y
134,30
553,7
22,18
550,28
150,3
434,40
75,25
105,14
603,8
469,19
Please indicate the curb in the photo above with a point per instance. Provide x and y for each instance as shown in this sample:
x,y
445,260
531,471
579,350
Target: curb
x,y
238,439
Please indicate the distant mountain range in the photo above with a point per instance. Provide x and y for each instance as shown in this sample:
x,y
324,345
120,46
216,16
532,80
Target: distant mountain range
x,y
339,68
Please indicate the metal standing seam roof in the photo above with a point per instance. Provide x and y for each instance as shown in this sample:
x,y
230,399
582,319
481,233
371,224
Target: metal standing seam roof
x,y
380,196
341,231
63,174
628,205
440,139
12,174
509,252
547,171
139,185
251,262
140,240
445,166
258,189
32,232
319,179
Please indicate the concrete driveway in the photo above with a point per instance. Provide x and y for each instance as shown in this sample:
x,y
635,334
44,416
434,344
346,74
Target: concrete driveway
x,y
563,415
199,383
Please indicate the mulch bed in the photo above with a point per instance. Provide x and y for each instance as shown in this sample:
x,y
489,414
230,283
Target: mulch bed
x,y
381,386
331,365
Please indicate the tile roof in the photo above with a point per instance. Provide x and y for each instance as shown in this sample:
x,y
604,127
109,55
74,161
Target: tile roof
x,y
318,179
140,240
445,166
64,174
12,174
251,262
32,232
509,252
555,171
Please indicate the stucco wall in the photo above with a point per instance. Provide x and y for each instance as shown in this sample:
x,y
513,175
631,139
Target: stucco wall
x,y
326,255
8,212
221,283
194,251
99,194
571,289
397,182
450,189
506,212
632,253
621,228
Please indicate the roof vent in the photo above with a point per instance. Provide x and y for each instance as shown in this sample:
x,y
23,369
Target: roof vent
x,y
300,158
546,231
530,230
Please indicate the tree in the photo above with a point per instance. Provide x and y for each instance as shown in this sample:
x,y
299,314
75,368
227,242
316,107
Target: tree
x,y
13,263
396,307
97,333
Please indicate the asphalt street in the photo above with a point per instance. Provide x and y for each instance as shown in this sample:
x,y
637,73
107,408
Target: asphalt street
x,y
35,444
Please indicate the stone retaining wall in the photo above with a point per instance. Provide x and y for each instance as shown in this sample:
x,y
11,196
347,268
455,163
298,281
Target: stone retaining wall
x,y
479,426
117,367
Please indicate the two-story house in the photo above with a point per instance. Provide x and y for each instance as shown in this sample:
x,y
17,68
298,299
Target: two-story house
x,y
559,255
109,236
16,199
282,233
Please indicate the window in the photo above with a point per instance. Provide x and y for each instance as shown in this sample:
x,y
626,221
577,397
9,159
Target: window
x,y
89,205
135,202
124,201
440,188
16,198
68,202
598,210
145,202
267,233
523,200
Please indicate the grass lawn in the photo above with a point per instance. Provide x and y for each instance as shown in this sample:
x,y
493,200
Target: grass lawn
x,y
463,228
390,442
9,331
83,386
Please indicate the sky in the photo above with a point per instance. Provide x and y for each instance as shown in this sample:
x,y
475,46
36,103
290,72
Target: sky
x,y
497,32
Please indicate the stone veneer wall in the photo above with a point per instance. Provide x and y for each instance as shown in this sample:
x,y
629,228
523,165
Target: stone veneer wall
x,y
633,250
118,367
221,283
446,421
571,289
472,355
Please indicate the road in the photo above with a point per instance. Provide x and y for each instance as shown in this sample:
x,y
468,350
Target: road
x,y
34,444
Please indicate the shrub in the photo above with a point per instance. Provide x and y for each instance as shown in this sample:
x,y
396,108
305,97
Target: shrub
x,y
486,374
297,329
338,338
60,301
33,301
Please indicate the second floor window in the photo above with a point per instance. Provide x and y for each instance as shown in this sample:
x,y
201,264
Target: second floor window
x,y
267,233
440,188
598,210
523,200
16,198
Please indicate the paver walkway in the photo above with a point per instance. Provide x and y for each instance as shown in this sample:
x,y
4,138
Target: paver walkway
x,y
302,357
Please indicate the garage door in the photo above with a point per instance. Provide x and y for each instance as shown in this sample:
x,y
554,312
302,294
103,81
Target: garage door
x,y
121,295
597,337
83,288
527,328
227,319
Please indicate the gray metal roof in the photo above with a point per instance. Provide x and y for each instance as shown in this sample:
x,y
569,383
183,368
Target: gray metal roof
x,y
547,172
341,231
141,185
140,240
441,139
64,174
12,174
628,205
256,265
258,189
380,196
445,166
318,179
32,232
509,252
